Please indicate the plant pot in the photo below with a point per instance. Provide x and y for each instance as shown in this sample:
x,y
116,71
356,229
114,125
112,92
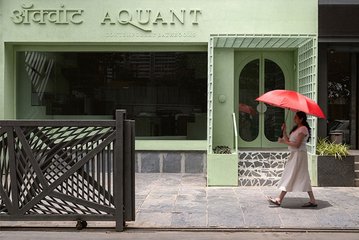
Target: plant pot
x,y
333,172
222,170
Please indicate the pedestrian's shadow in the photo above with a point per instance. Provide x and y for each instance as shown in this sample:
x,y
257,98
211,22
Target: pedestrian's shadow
x,y
296,203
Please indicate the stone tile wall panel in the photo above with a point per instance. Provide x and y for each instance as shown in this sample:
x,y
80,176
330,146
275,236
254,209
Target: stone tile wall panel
x,y
261,168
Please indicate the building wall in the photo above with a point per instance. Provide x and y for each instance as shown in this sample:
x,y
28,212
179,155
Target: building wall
x,y
113,25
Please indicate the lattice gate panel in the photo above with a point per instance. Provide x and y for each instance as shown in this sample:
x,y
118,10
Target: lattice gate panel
x,y
93,181
307,82
57,169
52,205
5,180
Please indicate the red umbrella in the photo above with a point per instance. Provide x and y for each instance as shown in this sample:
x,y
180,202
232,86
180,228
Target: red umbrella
x,y
246,109
292,101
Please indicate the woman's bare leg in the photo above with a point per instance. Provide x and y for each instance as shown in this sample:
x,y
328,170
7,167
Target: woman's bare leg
x,y
312,198
280,198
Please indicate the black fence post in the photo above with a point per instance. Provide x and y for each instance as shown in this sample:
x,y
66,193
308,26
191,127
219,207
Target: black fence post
x,y
118,170
127,171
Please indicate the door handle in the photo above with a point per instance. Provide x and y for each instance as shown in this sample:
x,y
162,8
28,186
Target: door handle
x,y
261,107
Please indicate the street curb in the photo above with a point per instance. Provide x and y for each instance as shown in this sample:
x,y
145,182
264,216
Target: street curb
x,y
189,229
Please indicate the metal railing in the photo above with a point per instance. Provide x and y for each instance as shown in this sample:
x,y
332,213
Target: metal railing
x,y
235,132
71,170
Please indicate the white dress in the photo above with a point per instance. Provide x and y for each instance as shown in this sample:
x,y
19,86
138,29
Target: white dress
x,y
295,177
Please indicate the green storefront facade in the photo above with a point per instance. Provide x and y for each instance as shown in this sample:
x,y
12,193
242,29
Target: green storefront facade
x,y
179,68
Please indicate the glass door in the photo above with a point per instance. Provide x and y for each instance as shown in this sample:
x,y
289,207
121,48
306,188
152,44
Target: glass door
x,y
259,124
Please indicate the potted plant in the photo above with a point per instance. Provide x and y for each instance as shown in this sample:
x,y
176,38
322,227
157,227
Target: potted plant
x,y
335,167
222,167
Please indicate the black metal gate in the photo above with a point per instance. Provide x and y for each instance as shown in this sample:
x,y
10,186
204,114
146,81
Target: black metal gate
x,y
68,170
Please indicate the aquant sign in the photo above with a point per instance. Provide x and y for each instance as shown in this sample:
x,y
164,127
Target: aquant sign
x,y
142,19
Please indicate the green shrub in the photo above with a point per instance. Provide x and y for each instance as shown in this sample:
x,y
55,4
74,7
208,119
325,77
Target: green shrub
x,y
222,150
326,147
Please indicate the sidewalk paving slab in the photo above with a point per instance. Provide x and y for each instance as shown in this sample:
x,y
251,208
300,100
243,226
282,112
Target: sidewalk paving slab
x,y
182,200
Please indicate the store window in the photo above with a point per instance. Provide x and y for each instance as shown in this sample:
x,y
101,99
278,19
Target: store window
x,y
339,96
165,92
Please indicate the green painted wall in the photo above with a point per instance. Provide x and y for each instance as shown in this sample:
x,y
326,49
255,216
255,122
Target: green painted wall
x,y
222,170
223,104
313,168
100,20
97,27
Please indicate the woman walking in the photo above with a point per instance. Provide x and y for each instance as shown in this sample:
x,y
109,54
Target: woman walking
x,y
295,177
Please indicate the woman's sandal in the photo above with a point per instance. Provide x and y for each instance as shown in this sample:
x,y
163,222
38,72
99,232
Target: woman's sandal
x,y
309,204
273,201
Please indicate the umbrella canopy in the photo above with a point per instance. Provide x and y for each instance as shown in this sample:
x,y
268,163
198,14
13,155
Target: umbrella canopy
x,y
292,101
247,109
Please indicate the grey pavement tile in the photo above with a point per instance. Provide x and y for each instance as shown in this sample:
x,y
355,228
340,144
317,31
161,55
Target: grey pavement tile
x,y
189,198
253,198
144,185
202,179
223,211
190,208
192,191
225,220
247,190
153,219
189,185
299,219
142,191
164,190
258,208
185,184
194,175
260,219
336,220
158,203
169,183
163,208
189,220
221,196
153,200
249,194
138,206
354,213
354,191
220,190
222,204
140,196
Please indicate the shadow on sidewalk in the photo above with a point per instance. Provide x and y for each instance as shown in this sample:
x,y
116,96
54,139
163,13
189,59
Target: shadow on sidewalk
x,y
297,202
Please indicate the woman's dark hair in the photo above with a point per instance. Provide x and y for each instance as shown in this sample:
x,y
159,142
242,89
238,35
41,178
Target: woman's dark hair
x,y
302,115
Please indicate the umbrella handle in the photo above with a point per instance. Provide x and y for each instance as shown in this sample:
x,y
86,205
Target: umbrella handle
x,y
286,117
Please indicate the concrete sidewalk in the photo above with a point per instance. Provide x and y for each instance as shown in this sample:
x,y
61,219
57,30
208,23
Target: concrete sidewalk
x,y
170,200
183,200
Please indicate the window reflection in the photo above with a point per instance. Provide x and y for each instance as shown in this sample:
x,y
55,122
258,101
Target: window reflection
x,y
274,116
339,95
248,92
165,92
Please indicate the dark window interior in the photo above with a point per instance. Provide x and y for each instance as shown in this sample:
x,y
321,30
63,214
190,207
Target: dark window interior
x,y
162,91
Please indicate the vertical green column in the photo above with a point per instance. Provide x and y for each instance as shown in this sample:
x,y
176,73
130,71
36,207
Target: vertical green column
x,y
223,98
7,103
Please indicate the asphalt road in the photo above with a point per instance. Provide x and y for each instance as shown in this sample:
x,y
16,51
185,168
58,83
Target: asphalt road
x,y
103,234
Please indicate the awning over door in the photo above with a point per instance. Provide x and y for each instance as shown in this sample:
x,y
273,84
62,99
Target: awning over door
x,y
260,41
